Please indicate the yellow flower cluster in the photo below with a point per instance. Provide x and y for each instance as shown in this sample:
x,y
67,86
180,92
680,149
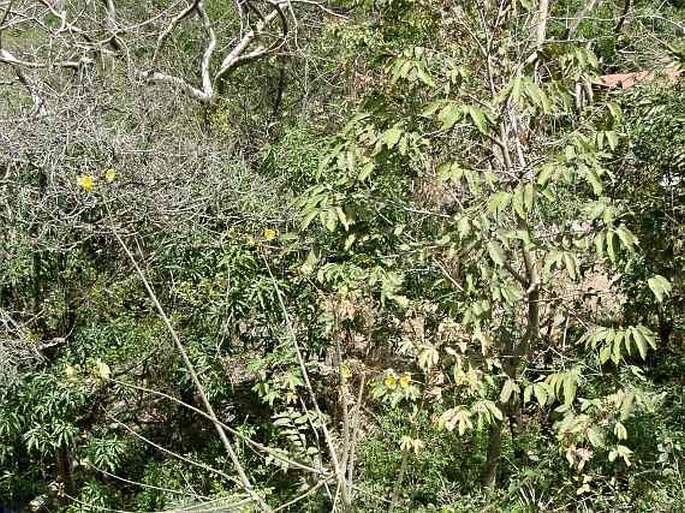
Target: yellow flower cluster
x,y
87,182
270,234
392,380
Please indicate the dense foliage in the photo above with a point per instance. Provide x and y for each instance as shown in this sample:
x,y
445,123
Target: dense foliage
x,y
379,256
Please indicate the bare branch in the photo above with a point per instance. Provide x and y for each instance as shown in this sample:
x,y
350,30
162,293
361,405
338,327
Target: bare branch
x,y
244,480
193,92
235,57
582,14
171,27
8,58
627,6
540,28
111,24
255,445
211,45
335,460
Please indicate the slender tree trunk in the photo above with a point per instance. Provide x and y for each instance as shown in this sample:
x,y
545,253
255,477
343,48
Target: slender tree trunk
x,y
493,456
64,474
398,484
540,29
627,4
580,16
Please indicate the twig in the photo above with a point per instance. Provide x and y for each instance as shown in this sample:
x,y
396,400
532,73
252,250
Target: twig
x,y
247,485
339,471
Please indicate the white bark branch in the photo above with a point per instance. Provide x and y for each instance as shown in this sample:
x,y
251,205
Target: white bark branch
x,y
163,36
207,56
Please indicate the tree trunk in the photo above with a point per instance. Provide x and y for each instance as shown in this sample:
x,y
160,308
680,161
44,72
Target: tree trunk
x,y
64,474
494,451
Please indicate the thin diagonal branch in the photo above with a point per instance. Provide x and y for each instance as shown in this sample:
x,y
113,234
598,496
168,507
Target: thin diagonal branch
x,y
244,480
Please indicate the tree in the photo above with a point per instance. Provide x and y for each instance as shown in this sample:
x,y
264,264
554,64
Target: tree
x,y
471,194
263,256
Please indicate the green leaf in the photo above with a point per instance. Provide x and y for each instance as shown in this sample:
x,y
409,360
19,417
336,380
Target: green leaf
x,y
494,410
507,391
365,171
640,342
308,217
540,391
516,89
553,258
510,294
619,339
432,108
600,140
344,220
660,287
620,431
570,263
615,111
527,393
451,171
569,153
424,76
498,201
593,178
281,421
349,241
101,370
615,343
623,452
518,203
627,238
545,174
496,252
648,335
592,58
535,94
450,115
474,180
392,136
570,386
478,117
330,219
611,248
594,209
528,196
595,437
463,227
599,244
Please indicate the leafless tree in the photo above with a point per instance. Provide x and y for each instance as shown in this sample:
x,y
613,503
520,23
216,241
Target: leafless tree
x,y
186,45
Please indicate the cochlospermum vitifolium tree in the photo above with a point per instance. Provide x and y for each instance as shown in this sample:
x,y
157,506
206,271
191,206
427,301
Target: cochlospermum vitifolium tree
x,y
103,147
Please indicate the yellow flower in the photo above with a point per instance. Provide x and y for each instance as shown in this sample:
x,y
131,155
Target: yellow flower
x,y
110,175
345,371
405,379
86,182
390,380
270,234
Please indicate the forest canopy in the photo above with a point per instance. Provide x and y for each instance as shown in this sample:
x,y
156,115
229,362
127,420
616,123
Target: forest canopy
x,y
312,256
